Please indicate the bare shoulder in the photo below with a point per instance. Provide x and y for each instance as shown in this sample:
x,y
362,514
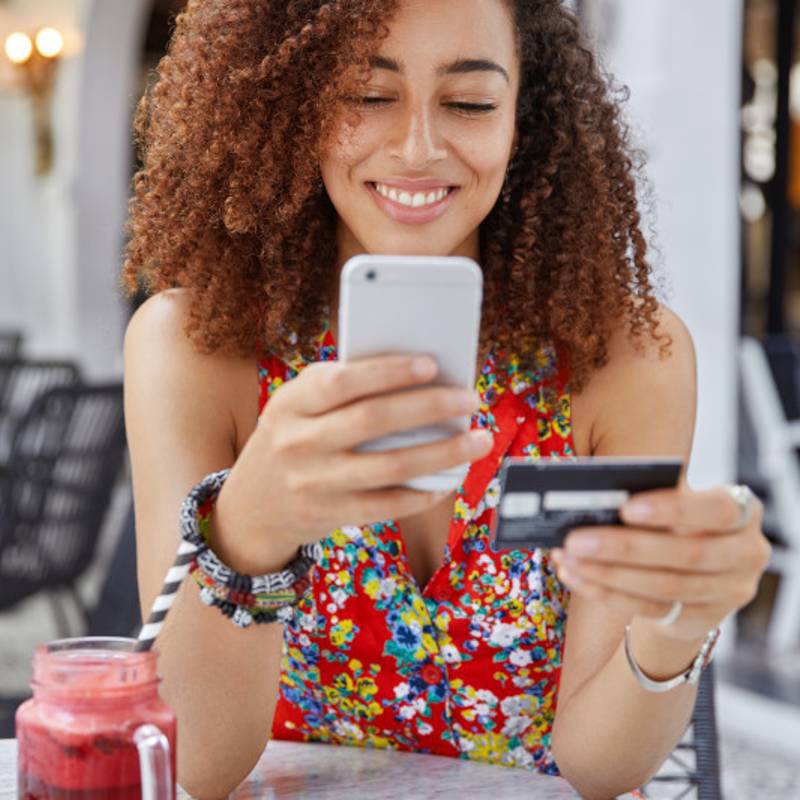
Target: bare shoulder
x,y
643,357
162,365
643,400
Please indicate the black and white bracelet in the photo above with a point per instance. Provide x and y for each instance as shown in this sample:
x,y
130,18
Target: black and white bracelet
x,y
225,588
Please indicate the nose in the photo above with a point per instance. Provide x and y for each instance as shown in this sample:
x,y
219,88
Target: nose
x,y
418,143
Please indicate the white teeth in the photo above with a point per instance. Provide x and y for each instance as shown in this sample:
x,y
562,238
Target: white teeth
x,y
414,200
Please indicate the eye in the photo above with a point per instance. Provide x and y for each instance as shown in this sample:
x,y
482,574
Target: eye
x,y
465,108
374,101
473,108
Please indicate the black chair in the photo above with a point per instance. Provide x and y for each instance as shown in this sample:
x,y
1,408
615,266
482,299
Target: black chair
x,y
117,612
692,769
10,344
66,454
21,382
783,354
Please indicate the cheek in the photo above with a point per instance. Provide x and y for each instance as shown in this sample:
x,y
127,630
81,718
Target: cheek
x,y
484,150
352,145
487,167
352,148
490,165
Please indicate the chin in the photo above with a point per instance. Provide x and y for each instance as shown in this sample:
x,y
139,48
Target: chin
x,y
410,245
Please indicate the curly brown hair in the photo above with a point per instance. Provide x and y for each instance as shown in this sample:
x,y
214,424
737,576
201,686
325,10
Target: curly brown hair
x,y
230,201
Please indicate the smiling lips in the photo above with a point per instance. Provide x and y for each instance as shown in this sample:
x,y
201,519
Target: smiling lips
x,y
412,202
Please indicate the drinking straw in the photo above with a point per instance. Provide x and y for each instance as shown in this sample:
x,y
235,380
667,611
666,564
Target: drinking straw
x,y
162,604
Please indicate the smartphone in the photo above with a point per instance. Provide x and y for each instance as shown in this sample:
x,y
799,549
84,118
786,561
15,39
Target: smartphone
x,y
542,501
422,305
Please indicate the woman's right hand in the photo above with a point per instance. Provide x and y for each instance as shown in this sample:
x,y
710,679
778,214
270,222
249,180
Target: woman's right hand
x,y
299,477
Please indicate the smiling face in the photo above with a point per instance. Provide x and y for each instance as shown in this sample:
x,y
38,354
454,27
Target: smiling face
x,y
425,162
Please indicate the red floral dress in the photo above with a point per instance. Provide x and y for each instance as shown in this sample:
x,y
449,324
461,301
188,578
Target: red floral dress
x,y
469,666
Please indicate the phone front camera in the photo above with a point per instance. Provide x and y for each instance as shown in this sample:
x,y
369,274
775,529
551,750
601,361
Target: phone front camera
x,y
371,275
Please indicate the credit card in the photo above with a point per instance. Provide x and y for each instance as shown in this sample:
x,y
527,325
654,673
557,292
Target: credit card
x,y
542,501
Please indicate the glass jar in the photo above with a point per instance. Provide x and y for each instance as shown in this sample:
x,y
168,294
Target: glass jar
x,y
96,726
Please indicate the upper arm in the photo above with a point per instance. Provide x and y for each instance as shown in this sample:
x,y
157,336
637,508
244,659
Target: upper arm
x,y
642,405
180,425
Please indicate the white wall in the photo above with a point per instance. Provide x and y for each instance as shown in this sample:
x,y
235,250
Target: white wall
x,y
682,61
35,257
61,234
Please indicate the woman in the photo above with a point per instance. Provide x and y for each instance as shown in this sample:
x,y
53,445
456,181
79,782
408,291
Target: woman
x,y
280,140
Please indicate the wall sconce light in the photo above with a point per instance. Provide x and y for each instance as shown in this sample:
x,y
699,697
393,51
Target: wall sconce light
x,y
35,60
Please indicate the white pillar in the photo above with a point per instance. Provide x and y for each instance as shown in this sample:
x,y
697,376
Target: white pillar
x,y
114,31
682,62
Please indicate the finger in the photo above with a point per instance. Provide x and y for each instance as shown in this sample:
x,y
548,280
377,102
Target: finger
x,y
632,605
651,584
687,510
703,552
393,467
337,383
387,414
369,507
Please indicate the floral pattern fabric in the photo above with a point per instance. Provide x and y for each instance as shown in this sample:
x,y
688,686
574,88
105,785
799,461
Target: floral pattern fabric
x,y
466,666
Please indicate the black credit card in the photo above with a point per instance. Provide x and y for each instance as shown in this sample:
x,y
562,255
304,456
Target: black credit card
x,y
542,501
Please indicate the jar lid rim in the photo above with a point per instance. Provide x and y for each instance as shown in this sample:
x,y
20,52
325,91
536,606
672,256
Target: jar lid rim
x,y
101,663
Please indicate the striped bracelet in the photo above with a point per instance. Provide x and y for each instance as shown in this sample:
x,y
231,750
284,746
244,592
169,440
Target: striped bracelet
x,y
245,599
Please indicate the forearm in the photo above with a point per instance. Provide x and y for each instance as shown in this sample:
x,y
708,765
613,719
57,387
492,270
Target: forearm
x,y
222,683
613,734
221,680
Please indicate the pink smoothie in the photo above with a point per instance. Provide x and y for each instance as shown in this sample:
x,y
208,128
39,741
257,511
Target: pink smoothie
x,y
76,735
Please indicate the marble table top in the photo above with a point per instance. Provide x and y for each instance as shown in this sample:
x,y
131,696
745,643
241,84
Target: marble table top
x,y
288,771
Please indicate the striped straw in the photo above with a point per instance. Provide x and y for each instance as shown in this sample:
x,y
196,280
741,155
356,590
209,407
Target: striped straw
x,y
163,603
191,543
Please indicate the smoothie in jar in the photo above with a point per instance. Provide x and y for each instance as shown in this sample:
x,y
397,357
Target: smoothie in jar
x,y
96,726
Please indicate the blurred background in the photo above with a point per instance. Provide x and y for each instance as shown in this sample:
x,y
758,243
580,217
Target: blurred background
x,y
714,103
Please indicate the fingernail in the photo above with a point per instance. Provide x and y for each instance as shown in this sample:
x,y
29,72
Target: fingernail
x,y
423,367
567,577
582,545
638,511
479,441
467,401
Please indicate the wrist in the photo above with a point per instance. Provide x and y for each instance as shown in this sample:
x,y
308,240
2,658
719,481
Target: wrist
x,y
659,655
242,550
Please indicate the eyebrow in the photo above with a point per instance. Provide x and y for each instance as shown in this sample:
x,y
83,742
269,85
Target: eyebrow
x,y
457,67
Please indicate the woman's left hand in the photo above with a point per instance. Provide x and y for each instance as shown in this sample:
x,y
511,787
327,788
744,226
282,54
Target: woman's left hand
x,y
676,544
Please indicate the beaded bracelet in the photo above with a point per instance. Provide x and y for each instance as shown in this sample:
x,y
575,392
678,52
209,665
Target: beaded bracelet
x,y
243,598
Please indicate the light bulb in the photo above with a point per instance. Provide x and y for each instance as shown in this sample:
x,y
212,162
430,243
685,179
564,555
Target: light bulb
x,y
49,42
18,47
